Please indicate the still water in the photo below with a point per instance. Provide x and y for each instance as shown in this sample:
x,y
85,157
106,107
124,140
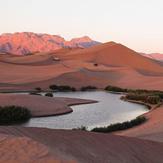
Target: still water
x,y
110,109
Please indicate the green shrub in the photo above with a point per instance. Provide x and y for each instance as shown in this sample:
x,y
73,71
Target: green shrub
x,y
62,88
83,128
120,126
38,89
115,89
53,87
88,88
147,98
136,91
13,114
153,99
49,94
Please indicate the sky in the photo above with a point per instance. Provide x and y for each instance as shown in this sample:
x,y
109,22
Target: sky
x,y
137,24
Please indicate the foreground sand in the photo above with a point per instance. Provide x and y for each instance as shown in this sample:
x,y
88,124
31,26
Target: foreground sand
x,y
40,145
77,146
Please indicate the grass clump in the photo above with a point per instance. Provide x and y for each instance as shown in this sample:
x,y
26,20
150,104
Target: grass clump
x,y
13,114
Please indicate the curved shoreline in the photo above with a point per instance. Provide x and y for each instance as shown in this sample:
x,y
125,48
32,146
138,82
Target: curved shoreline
x,y
69,106
149,106
41,106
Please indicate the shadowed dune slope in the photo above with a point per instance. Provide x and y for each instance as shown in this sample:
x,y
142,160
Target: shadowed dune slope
x,y
91,147
116,55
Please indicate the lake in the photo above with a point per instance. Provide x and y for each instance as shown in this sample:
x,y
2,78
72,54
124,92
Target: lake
x,y
110,109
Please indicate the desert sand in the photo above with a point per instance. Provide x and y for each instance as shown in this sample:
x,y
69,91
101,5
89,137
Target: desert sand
x,y
116,65
81,146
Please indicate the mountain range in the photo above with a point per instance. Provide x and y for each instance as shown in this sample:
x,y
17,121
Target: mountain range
x,y
155,56
27,42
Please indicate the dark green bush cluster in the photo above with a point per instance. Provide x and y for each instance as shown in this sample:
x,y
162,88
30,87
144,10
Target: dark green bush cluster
x,y
83,128
13,114
120,126
49,94
149,92
136,91
62,88
115,89
88,88
38,89
151,99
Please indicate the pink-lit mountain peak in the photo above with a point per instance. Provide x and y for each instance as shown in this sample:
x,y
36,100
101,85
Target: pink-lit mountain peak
x,y
28,42
82,39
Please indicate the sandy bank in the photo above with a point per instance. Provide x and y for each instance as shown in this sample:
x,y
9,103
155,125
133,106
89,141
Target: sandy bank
x,y
152,129
40,105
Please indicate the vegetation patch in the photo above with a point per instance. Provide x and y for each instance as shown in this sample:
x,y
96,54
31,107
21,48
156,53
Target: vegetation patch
x,y
62,88
83,128
88,88
13,114
136,91
146,98
49,94
115,89
120,126
38,89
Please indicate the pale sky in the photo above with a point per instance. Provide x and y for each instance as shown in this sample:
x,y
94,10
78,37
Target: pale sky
x,y
137,24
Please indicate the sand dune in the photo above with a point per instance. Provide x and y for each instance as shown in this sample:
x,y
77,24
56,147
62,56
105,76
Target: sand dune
x,y
90,147
117,65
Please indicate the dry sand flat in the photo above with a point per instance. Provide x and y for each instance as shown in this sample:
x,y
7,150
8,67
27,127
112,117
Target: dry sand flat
x,y
42,106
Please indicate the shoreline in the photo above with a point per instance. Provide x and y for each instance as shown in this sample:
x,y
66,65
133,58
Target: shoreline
x,y
150,107
66,107
68,112
43,106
